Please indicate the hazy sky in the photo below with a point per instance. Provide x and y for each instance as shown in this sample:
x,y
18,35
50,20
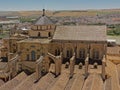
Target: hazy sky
x,y
57,4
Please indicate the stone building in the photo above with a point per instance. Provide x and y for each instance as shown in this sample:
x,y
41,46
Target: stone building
x,y
45,37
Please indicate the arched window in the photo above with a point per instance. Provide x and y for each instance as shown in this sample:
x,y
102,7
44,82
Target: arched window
x,y
39,34
82,53
69,53
49,34
57,52
95,54
33,55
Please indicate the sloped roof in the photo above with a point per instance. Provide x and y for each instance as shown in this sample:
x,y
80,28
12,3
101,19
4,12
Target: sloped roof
x,y
43,20
80,33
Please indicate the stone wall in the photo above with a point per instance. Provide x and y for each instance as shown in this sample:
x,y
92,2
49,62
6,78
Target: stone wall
x,y
42,31
26,50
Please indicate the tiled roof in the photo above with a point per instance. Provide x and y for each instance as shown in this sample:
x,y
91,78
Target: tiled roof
x,y
80,33
63,82
43,20
14,82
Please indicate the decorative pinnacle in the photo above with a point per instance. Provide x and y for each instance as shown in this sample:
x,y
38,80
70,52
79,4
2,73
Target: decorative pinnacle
x,y
43,12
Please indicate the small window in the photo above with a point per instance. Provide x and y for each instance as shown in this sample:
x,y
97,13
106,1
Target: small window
x,y
49,34
39,34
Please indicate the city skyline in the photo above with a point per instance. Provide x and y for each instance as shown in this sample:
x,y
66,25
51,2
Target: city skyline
x,y
15,5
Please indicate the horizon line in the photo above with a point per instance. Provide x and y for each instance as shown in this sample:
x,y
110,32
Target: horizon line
x,y
64,9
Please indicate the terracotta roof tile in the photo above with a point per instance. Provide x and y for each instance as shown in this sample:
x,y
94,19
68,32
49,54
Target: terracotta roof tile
x,y
14,82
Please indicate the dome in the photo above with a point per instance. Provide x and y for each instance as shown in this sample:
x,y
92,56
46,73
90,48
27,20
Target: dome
x,y
43,20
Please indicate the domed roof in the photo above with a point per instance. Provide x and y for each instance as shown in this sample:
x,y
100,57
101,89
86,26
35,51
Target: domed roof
x,y
43,20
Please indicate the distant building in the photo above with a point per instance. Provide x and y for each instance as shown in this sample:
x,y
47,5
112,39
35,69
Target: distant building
x,y
12,17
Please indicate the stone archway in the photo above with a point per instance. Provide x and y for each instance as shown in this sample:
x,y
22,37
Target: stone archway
x,y
58,62
82,53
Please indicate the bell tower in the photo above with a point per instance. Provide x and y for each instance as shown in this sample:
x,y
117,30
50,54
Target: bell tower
x,y
43,27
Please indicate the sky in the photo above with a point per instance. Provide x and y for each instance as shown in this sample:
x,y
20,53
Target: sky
x,y
16,5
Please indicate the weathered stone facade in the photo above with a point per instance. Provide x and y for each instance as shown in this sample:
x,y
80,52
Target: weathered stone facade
x,y
45,37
